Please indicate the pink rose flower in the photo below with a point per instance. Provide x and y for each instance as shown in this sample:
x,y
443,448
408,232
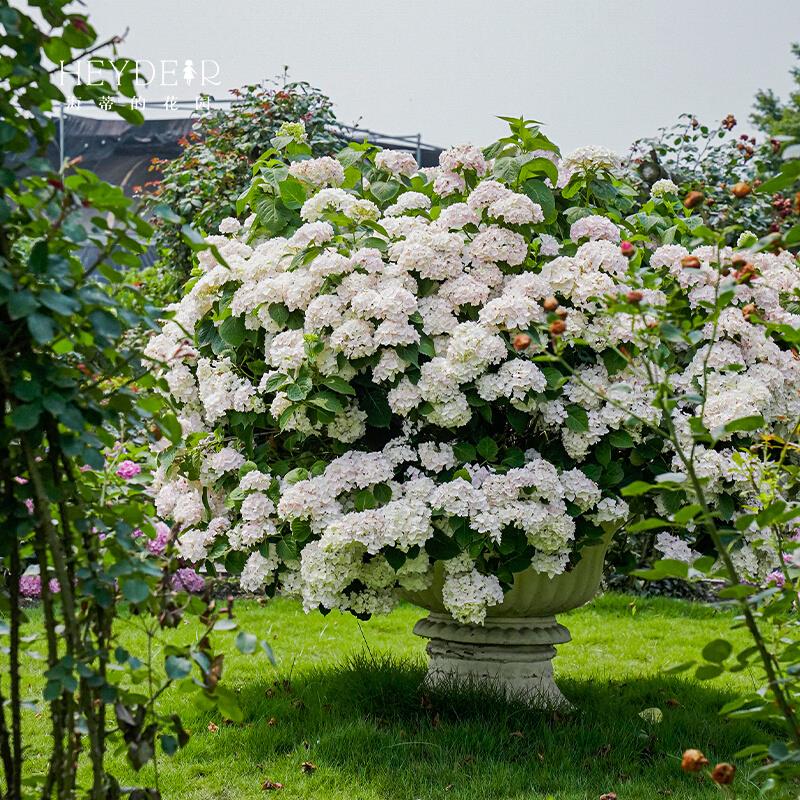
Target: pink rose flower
x,y
128,469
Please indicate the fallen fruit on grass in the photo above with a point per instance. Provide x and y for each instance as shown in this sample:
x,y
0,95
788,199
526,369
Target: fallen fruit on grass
x,y
723,773
693,761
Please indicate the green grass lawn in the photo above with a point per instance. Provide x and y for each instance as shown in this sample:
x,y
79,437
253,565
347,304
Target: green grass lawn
x,y
348,698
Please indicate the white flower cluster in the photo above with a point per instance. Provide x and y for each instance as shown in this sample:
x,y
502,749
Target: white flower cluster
x,y
398,162
594,227
466,593
746,372
532,498
325,171
591,158
662,187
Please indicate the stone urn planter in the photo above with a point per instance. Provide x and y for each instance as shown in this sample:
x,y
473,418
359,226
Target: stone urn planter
x,y
514,648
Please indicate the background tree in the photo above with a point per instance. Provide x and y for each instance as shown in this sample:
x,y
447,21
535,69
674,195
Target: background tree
x,y
772,115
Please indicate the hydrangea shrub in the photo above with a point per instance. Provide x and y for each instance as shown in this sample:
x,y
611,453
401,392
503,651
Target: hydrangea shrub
x,y
387,367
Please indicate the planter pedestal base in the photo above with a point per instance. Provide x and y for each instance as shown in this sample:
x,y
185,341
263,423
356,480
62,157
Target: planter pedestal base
x,y
511,654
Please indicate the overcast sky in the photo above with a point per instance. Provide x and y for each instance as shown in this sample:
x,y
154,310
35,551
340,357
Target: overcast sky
x,y
595,71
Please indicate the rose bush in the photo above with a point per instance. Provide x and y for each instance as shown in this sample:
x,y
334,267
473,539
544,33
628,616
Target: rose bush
x,y
77,529
387,366
725,176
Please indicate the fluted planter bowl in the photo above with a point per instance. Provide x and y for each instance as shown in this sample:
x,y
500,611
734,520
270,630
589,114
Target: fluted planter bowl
x,y
514,648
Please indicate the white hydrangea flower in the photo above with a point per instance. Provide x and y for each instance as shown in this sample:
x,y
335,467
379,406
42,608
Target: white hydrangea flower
x,y
549,245
591,158
663,187
594,227
408,201
466,593
324,171
229,225
258,571
287,350
436,457
516,209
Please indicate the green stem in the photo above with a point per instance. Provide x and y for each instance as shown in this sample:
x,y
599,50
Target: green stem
x,y
15,786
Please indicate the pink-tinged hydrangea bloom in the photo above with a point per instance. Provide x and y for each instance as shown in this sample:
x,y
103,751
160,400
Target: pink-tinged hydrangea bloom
x,y
398,162
463,156
186,579
31,586
776,578
128,469
158,545
594,227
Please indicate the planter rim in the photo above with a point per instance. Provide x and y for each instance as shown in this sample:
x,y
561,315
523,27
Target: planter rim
x,y
534,594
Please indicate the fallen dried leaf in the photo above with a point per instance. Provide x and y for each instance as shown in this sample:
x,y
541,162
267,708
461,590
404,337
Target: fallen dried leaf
x,y
652,716
272,722
308,766
213,727
518,734
269,786
609,796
